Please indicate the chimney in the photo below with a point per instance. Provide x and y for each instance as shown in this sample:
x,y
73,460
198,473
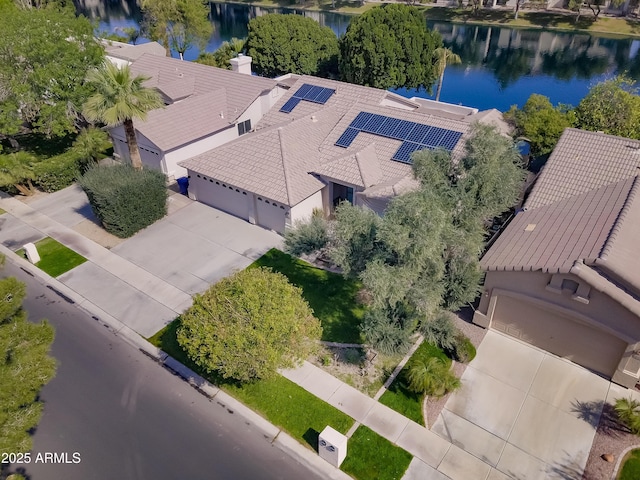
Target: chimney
x,y
241,64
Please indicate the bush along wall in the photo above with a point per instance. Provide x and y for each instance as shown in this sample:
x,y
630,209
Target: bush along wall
x,y
125,200
57,172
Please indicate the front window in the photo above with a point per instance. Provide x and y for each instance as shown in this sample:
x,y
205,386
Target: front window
x,y
244,127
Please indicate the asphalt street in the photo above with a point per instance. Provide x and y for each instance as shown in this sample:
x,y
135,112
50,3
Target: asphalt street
x,y
126,417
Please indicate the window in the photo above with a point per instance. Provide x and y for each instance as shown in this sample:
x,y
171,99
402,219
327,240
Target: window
x,y
244,127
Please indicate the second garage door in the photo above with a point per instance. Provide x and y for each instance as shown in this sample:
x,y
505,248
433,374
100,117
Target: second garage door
x,y
560,335
220,195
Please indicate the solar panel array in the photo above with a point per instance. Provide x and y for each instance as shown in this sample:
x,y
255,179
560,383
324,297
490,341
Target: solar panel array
x,y
414,136
310,93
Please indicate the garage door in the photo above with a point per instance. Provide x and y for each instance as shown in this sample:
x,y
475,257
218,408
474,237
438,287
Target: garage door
x,y
558,334
270,215
220,195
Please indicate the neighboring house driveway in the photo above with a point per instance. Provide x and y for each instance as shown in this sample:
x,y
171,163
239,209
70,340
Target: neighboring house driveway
x,y
527,413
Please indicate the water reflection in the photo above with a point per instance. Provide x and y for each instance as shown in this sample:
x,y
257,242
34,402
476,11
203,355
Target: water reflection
x,y
500,66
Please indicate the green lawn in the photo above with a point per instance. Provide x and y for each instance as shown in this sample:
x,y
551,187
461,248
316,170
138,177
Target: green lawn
x,y
404,401
2,211
631,466
279,400
372,457
332,297
55,258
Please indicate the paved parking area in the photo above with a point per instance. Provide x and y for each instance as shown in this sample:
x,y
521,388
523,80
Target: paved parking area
x,y
524,412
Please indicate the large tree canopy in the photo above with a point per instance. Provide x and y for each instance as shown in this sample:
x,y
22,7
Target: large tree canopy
x,y
248,325
280,44
389,46
612,107
45,55
25,367
177,24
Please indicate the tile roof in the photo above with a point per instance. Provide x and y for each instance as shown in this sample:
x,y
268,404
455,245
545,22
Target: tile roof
x,y
130,52
581,162
361,168
177,76
186,121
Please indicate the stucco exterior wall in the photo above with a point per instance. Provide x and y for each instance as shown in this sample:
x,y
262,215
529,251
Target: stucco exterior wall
x,y
303,210
601,312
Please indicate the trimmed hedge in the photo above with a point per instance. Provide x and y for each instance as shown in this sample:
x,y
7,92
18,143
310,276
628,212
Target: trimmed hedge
x,y
125,200
57,172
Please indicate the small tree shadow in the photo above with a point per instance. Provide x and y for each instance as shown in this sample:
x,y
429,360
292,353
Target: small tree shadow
x,y
311,437
567,469
600,415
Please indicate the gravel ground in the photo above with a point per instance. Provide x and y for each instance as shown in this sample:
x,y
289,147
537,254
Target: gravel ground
x,y
462,320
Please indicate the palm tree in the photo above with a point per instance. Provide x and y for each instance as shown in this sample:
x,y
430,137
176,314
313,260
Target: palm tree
x,y
431,376
444,56
628,411
120,98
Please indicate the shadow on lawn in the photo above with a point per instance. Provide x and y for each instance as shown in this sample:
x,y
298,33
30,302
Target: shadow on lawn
x,y
311,437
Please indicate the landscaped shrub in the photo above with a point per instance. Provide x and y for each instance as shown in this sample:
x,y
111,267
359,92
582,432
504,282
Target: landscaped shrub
x,y
56,173
440,331
307,237
628,411
431,376
463,350
125,200
384,335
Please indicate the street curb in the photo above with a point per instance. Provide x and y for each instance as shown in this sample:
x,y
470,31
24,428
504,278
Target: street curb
x,y
273,434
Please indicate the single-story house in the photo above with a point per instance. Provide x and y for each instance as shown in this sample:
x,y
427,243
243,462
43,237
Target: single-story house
x,y
205,107
565,273
324,142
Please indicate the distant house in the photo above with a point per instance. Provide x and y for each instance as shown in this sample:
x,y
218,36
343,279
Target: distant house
x,y
205,107
324,142
565,273
121,54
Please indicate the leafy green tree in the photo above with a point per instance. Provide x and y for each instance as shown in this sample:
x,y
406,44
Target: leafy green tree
x,y
613,107
90,145
444,56
248,325
25,367
540,122
16,171
177,24
280,44
307,237
119,99
384,332
221,57
431,376
389,46
42,73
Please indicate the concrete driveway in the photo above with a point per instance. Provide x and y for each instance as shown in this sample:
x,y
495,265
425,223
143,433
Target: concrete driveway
x,y
197,246
524,412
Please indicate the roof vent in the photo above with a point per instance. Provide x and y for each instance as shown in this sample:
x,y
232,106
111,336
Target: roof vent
x,y
221,114
314,118
530,227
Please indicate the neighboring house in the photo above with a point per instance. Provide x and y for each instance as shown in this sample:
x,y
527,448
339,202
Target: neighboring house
x,y
121,54
205,107
565,273
324,142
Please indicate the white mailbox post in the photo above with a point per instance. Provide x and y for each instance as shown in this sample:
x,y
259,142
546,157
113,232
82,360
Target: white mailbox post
x,y
332,446
32,253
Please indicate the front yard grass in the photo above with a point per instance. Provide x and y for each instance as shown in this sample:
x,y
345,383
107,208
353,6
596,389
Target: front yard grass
x,y
399,398
631,466
2,211
332,297
279,400
373,457
55,258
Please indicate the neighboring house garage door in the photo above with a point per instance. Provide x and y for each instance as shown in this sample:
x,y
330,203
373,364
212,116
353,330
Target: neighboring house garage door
x,y
560,335
270,214
220,195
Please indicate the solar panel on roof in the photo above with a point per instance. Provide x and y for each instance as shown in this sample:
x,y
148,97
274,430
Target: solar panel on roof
x,y
403,130
418,133
361,120
313,93
347,137
290,104
324,96
388,127
449,140
303,91
434,136
403,154
373,124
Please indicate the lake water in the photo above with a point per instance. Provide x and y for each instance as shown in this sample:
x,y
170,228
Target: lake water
x,y
500,66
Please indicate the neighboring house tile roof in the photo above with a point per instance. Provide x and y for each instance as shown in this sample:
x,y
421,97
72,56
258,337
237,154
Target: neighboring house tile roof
x,y
130,52
176,78
186,121
583,214
581,162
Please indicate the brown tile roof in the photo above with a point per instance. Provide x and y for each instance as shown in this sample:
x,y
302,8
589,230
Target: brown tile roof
x,y
583,161
360,168
176,77
552,237
130,52
186,121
